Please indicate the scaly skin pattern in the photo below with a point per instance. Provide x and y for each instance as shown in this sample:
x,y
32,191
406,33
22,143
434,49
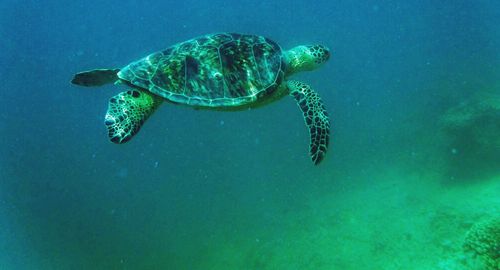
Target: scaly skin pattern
x,y
305,58
126,113
315,116
218,70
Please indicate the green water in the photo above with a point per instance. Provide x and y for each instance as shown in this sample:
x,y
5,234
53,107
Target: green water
x,y
411,179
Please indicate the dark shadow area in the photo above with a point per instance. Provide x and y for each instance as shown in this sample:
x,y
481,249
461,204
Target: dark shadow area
x,y
473,146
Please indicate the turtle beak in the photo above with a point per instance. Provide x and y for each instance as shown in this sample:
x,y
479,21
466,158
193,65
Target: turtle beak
x,y
327,53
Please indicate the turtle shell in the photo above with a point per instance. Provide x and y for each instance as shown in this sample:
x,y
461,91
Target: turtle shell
x,y
215,70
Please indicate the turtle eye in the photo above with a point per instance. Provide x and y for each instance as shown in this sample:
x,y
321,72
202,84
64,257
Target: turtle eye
x,y
326,53
217,75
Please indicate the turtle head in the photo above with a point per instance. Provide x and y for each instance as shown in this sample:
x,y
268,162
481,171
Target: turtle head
x,y
306,58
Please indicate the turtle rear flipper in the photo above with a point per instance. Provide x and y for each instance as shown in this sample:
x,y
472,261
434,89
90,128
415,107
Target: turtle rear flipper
x,y
96,77
315,116
126,113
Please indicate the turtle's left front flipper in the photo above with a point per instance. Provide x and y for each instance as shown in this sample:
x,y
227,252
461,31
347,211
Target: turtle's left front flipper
x,y
315,116
126,113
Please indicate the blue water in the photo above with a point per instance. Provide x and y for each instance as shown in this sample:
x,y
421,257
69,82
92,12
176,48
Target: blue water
x,y
399,188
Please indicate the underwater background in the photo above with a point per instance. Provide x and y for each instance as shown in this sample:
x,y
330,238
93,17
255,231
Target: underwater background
x,y
411,179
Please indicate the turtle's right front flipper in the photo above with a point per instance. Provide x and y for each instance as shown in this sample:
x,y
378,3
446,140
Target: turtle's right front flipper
x,y
126,113
315,116
96,77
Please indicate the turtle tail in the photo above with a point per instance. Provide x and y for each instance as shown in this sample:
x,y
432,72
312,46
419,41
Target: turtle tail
x,y
96,77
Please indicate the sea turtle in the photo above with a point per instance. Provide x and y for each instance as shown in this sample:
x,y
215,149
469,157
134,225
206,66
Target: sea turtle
x,y
222,71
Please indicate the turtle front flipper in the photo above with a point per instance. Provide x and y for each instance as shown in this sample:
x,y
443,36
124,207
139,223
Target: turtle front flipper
x,y
315,116
96,77
126,113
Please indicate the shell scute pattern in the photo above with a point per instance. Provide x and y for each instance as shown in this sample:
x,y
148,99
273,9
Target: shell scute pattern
x,y
213,70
